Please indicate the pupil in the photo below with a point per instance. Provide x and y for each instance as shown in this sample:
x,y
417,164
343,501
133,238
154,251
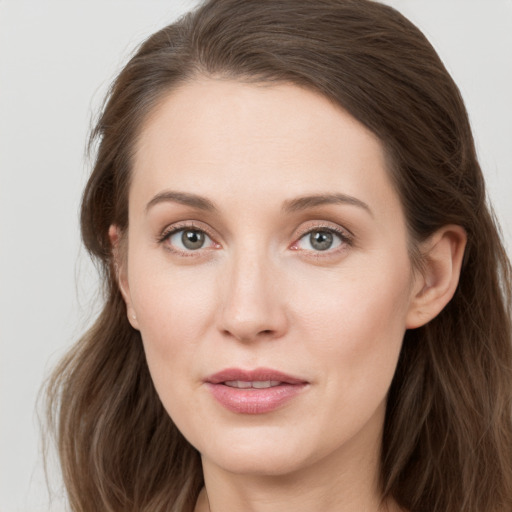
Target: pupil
x,y
321,240
192,239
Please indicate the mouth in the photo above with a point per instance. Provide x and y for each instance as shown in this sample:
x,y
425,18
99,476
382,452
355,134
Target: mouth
x,y
257,384
256,391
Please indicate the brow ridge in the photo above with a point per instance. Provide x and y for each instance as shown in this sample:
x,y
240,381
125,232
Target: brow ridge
x,y
312,201
289,206
185,198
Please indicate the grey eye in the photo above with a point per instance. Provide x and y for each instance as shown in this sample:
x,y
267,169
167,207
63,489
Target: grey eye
x,y
186,240
321,240
192,239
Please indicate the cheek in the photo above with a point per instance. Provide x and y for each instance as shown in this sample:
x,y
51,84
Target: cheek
x,y
174,309
356,322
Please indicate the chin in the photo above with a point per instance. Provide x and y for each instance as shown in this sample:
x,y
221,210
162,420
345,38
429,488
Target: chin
x,y
261,453
259,463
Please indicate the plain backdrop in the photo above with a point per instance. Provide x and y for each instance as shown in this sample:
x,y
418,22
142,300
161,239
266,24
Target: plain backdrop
x,y
57,59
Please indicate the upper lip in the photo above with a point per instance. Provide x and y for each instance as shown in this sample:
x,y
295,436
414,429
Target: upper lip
x,y
256,375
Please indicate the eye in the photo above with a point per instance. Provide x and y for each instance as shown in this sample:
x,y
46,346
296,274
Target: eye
x,y
320,240
188,240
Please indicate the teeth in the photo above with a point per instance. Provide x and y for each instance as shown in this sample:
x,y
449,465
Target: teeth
x,y
265,384
257,384
241,384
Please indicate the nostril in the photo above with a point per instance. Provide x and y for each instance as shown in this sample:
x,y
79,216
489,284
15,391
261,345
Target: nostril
x,y
265,333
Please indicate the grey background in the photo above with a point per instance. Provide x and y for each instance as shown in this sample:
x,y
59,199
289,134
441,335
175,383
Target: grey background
x,y
56,61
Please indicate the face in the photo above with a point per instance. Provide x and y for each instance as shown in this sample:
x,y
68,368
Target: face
x,y
268,273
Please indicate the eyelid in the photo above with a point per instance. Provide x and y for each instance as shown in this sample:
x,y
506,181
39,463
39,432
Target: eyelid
x,y
345,235
171,229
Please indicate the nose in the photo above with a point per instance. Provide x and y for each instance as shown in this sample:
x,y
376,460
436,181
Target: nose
x,y
252,304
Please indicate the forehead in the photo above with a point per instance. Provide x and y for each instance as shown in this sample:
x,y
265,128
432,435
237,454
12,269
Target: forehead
x,y
230,138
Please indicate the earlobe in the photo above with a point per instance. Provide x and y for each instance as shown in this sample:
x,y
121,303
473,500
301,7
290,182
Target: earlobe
x,y
442,255
119,260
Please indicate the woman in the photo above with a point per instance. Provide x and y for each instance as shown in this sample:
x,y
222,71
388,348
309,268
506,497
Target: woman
x,y
307,299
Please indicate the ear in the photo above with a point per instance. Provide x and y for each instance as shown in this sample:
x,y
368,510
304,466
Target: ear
x,y
435,285
119,256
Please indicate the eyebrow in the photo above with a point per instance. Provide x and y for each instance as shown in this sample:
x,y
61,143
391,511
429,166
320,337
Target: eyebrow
x,y
185,198
305,202
289,206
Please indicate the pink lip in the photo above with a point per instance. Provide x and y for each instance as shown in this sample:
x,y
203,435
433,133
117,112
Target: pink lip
x,y
254,400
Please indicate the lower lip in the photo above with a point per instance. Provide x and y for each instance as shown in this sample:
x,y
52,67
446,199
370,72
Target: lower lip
x,y
254,401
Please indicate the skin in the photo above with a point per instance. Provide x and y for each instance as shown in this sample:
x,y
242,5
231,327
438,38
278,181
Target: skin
x,y
259,294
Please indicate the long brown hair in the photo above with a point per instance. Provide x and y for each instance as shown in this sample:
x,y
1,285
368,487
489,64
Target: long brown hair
x,y
447,442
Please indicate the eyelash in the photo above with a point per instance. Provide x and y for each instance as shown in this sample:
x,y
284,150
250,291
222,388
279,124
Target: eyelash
x,y
345,237
176,228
